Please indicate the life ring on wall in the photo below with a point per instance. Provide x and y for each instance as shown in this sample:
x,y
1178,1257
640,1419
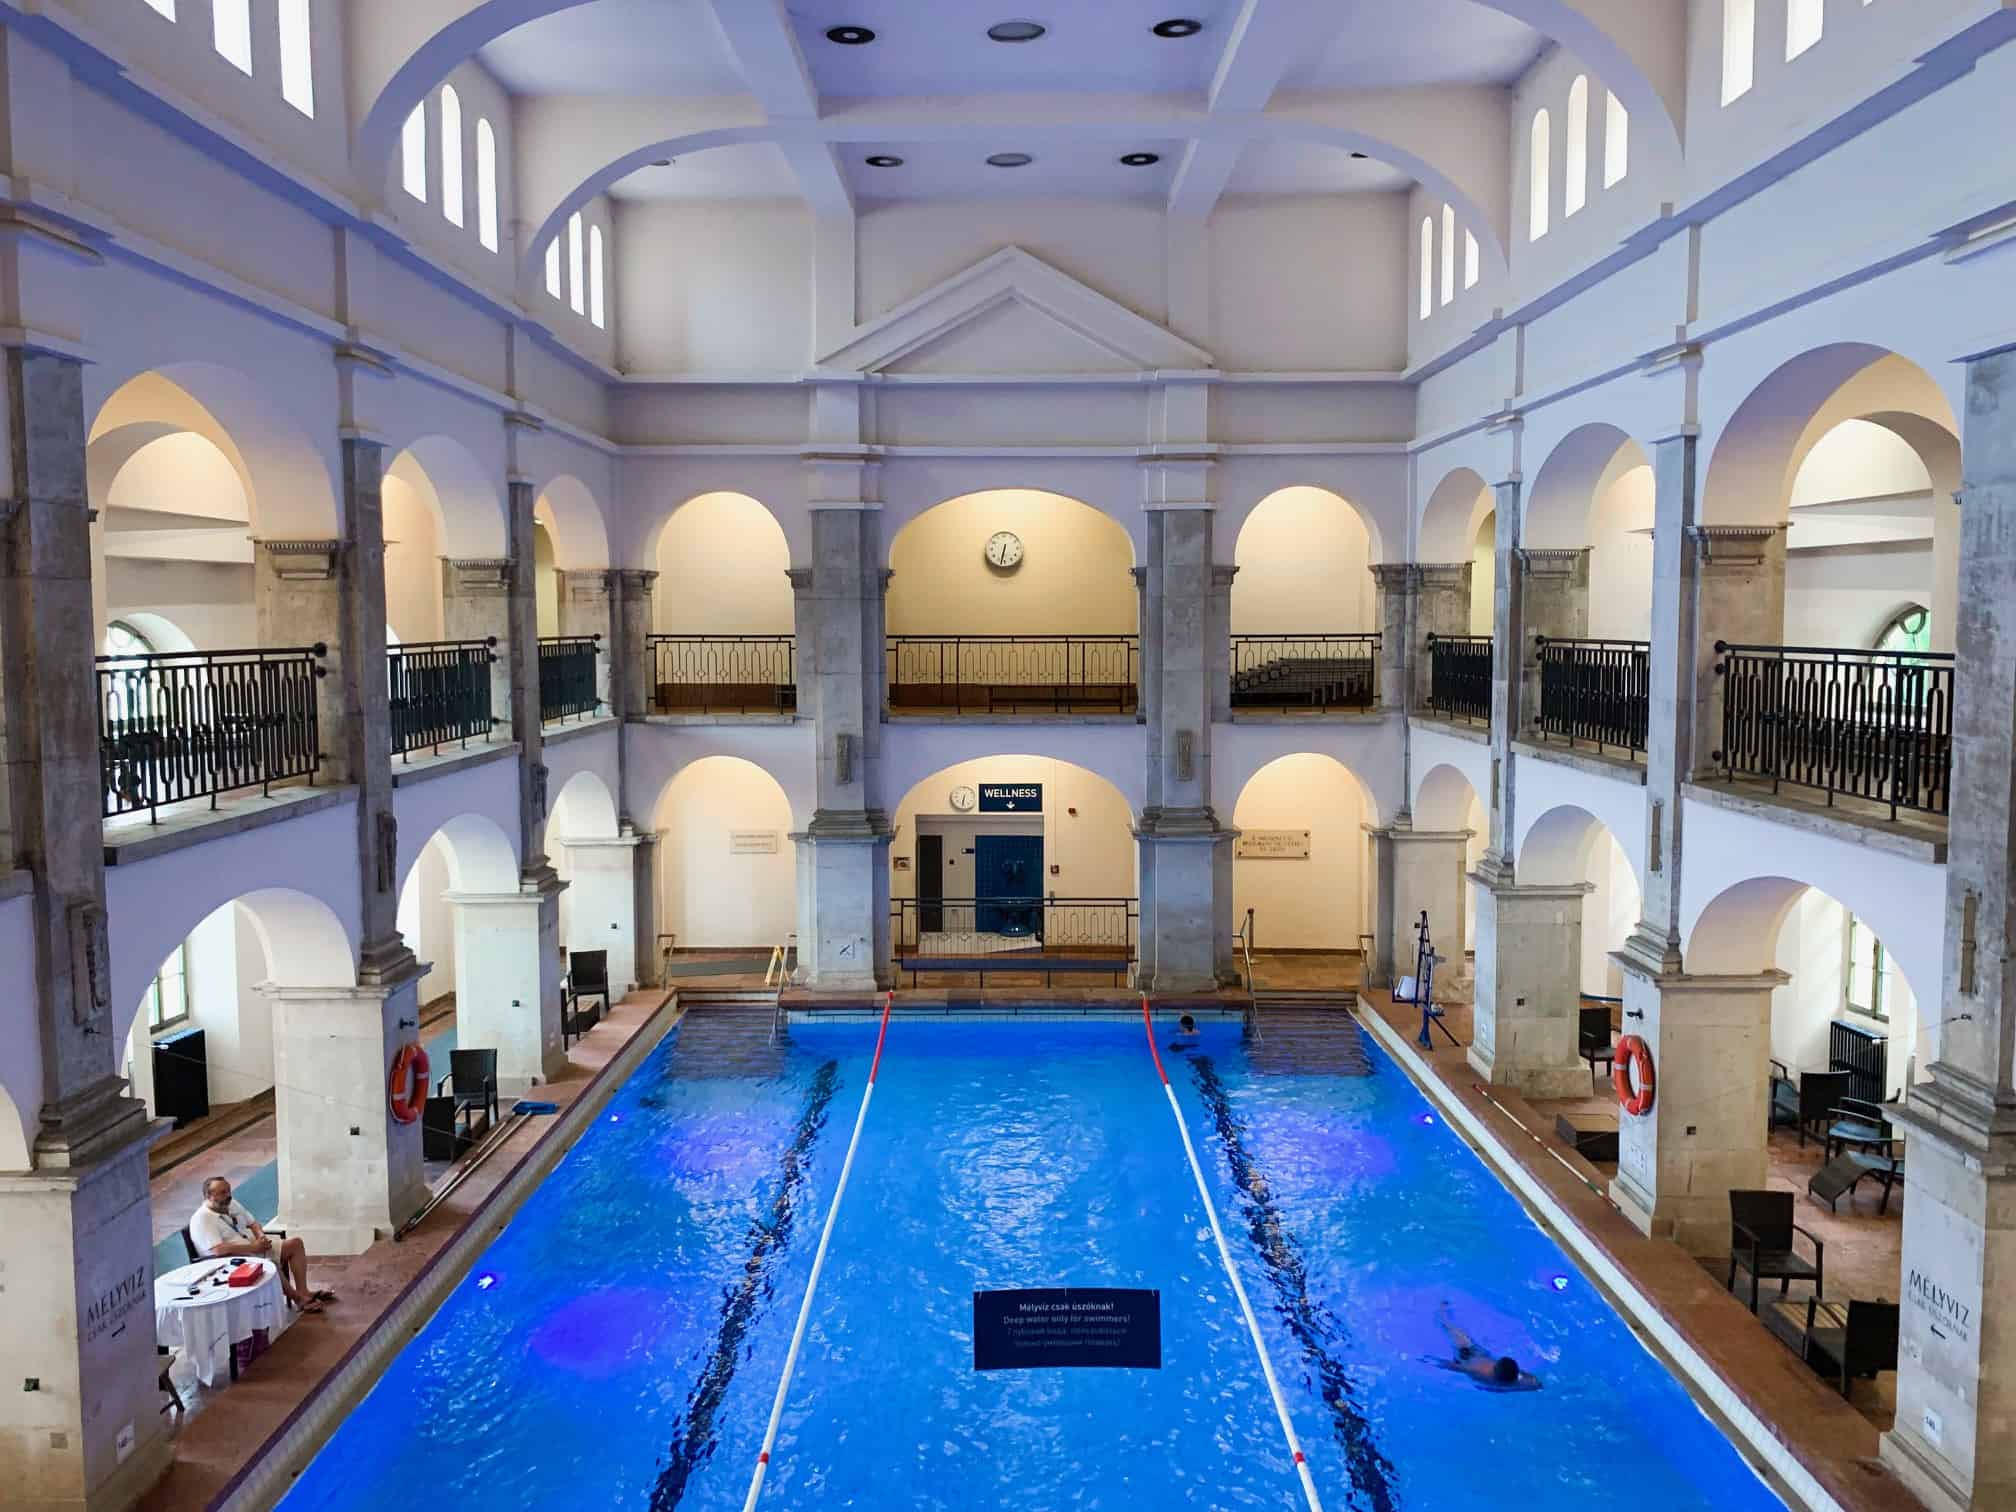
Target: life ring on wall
x,y
409,1083
1634,1054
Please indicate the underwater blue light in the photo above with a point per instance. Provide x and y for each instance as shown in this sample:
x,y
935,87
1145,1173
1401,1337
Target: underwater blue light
x,y
487,1280
1559,1283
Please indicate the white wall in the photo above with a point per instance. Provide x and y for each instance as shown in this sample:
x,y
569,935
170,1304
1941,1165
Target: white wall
x,y
1847,595
1304,567
722,562
1075,577
1484,576
412,562
427,919
714,288
1279,303
1620,559
1813,950
707,897
1320,903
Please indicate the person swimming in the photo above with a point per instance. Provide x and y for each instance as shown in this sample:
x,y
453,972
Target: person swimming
x,y
1486,1373
1186,1033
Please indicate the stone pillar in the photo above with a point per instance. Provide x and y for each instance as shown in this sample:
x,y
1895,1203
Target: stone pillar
x,y
645,961
507,980
80,1425
523,709
1508,627
1954,1441
1554,599
476,605
1710,1038
1529,987
1396,584
588,607
1418,871
1219,666
1441,607
630,654
602,878
1738,574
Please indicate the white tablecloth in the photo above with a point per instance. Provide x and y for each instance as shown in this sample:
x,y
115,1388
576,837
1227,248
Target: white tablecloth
x,y
208,1325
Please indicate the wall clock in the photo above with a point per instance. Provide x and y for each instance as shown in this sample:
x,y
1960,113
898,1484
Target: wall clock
x,y
1004,550
963,799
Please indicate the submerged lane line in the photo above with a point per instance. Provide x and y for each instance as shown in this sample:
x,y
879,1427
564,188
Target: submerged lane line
x,y
818,1264
1232,1275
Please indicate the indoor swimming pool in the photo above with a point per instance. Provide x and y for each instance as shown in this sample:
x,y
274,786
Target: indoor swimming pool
x,y
620,1343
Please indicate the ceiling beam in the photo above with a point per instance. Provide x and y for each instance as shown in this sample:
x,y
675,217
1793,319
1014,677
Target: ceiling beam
x,y
760,35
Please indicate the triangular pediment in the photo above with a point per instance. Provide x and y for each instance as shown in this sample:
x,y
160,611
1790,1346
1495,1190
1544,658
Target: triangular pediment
x,y
1012,313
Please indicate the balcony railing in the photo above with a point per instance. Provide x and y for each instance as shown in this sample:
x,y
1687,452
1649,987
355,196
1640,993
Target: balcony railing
x,y
1459,677
1014,674
1595,692
723,674
195,724
440,693
1093,927
1314,672
1875,725
567,677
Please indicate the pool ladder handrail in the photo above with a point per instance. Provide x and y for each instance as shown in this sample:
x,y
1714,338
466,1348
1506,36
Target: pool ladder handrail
x,y
1244,935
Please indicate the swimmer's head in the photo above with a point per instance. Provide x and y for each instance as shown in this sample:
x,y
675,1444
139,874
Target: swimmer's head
x,y
1506,1371
1188,1024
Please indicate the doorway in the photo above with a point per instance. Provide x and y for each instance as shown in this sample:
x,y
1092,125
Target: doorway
x,y
1008,869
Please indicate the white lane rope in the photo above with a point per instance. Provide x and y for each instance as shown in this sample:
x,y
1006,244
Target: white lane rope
x,y
1232,1275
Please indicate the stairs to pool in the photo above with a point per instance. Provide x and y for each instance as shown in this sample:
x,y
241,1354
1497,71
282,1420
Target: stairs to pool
x,y
728,1032
1306,1034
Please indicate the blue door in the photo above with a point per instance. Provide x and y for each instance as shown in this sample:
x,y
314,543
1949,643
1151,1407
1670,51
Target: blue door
x,y
1006,870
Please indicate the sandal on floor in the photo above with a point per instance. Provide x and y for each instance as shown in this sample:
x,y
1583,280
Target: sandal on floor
x,y
323,1296
312,1305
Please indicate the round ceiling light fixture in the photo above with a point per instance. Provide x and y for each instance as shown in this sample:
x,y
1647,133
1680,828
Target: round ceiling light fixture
x,y
883,160
1016,31
1177,26
850,36
1010,160
1140,159
661,162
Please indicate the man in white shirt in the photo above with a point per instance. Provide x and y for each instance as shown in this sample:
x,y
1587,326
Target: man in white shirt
x,y
223,1229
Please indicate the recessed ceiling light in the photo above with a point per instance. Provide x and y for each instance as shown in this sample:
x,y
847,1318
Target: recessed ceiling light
x,y
849,36
1140,159
1010,160
661,162
1177,27
1361,156
883,160
1016,31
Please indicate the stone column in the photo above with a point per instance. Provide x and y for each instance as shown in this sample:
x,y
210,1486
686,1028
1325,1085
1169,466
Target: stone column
x,y
645,960
476,605
507,981
1529,986
1554,598
1508,632
1739,598
1954,1441
602,873
1219,666
1417,871
588,607
629,655
80,1425
1396,584
1441,607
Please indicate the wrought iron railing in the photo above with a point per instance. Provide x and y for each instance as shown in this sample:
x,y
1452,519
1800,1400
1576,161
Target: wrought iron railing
x,y
1008,674
1305,671
1459,677
567,676
177,725
991,927
1876,725
723,674
440,692
1595,692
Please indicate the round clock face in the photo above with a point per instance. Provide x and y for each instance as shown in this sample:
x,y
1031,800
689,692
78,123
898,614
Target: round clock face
x,y
1004,550
963,799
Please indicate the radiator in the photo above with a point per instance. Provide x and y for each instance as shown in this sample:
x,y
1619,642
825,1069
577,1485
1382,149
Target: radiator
x,y
1864,1055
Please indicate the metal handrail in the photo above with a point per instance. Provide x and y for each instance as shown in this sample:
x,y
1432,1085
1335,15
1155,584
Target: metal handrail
x,y
1459,676
1315,671
1092,923
439,691
1595,691
567,677
1064,673
1244,935
723,674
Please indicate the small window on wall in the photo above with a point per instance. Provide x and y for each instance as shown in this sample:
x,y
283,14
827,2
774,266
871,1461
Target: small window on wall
x,y
575,260
486,184
451,155
1739,47
413,154
1575,170
553,267
1867,980
1538,170
1448,254
1909,630
1805,20
168,993
597,310
1616,142
1427,266
1470,260
231,31
297,56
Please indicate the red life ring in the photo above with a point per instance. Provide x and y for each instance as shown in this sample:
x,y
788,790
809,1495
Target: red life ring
x,y
409,1097
1634,1054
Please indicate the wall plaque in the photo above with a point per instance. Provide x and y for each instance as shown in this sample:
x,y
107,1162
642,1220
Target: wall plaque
x,y
752,842
1272,845
1073,1327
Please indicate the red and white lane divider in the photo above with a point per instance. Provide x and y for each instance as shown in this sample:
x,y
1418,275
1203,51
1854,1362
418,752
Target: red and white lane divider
x,y
818,1264
1231,1274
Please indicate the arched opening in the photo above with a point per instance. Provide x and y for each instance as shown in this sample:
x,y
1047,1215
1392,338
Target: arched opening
x,y
1304,605
727,865
1595,492
598,912
1302,865
1569,845
439,505
725,610
1483,571
1012,600
1457,609
174,532
469,855
1446,802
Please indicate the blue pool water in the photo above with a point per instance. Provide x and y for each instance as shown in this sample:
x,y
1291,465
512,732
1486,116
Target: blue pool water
x,y
620,1343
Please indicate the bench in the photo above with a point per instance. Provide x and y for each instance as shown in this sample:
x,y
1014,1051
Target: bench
x,y
1116,967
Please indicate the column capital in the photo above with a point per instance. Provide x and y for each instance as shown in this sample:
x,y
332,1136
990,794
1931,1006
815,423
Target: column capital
x,y
484,575
1221,576
636,577
1396,577
1551,561
1734,545
1401,834
1443,575
301,561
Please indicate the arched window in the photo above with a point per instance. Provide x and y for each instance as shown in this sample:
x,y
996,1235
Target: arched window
x,y
1448,254
231,31
413,154
553,267
1805,20
1575,168
1543,149
1909,630
1739,47
1427,266
597,310
1470,269
165,7
486,184
297,56
1616,142
451,155
576,283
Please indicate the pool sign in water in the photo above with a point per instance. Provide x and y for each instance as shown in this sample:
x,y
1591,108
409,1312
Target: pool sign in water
x,y
1071,1326
1011,797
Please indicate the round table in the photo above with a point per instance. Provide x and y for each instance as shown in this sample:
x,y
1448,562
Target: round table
x,y
218,1328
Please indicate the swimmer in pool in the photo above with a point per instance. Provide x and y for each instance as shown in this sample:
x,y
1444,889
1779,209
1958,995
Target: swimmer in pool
x,y
1186,1033
1486,1373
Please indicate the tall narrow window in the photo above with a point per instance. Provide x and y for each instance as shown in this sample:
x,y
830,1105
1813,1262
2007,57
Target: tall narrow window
x,y
1616,142
1543,151
168,993
486,184
451,155
1470,260
1427,266
1448,254
297,56
575,280
1575,167
1739,47
553,267
413,154
165,7
597,309
1868,974
231,31
1805,20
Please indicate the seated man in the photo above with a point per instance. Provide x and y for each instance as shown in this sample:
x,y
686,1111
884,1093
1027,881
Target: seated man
x,y
222,1228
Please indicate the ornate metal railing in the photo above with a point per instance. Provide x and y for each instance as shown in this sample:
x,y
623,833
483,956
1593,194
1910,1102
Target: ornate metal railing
x,y
440,693
1305,671
1595,692
1876,725
723,674
567,676
991,927
1009,674
1459,677
195,724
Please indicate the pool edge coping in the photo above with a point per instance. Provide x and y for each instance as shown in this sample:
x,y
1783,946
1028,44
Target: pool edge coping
x,y
277,1463
1701,1378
